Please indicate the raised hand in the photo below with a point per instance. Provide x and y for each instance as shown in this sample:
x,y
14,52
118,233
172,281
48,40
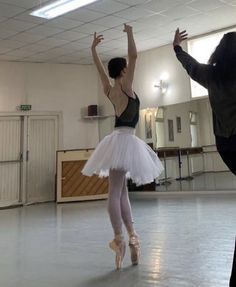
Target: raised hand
x,y
97,40
179,37
127,28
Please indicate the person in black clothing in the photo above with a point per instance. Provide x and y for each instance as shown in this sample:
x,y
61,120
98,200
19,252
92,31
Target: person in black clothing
x,y
219,77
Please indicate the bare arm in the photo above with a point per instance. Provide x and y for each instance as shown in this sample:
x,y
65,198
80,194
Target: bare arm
x,y
132,57
99,65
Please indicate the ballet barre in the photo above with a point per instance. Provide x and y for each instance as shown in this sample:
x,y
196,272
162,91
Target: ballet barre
x,y
178,153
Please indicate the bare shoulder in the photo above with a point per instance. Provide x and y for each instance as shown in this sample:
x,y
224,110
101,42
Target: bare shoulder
x,y
118,99
113,94
127,88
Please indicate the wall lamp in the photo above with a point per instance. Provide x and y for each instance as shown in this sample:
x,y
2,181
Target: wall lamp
x,y
163,86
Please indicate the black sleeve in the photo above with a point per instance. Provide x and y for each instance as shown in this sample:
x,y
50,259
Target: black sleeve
x,y
198,72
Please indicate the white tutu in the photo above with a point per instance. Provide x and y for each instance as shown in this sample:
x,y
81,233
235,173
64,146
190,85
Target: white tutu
x,y
122,150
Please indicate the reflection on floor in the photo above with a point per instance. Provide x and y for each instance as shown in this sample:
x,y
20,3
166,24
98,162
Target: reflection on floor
x,y
204,181
187,241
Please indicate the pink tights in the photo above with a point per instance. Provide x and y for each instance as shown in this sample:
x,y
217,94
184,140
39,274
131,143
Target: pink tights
x,y
118,202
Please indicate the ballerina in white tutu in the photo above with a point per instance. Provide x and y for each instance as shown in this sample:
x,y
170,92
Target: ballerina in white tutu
x,y
121,154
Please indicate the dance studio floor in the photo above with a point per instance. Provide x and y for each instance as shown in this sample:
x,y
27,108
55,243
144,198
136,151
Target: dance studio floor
x,y
187,241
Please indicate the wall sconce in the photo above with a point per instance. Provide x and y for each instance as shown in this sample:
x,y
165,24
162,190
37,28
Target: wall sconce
x,y
163,85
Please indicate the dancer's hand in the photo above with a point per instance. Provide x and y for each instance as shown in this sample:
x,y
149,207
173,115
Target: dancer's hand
x,y
96,40
127,28
179,37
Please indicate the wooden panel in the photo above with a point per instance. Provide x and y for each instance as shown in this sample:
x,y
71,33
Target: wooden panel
x,y
74,184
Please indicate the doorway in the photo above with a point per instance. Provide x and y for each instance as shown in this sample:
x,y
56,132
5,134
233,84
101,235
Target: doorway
x,y
28,146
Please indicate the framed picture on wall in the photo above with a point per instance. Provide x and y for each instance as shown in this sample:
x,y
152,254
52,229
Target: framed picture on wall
x,y
178,124
148,125
171,130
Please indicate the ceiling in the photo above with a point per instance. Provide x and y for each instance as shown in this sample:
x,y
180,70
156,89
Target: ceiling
x,y
67,39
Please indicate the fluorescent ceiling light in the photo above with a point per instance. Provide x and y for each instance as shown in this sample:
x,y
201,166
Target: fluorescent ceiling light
x,y
59,8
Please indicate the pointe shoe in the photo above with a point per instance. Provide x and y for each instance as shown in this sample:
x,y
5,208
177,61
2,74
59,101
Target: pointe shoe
x,y
118,246
134,249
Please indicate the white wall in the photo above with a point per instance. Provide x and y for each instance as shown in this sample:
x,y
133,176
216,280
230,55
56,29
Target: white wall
x,y
53,87
151,65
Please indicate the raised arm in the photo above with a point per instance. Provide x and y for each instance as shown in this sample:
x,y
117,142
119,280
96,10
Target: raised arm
x,y
100,67
132,57
198,72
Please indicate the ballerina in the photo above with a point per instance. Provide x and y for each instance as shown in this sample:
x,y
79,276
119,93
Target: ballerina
x,y
121,154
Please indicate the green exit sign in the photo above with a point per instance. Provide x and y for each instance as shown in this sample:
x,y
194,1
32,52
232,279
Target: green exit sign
x,y
25,107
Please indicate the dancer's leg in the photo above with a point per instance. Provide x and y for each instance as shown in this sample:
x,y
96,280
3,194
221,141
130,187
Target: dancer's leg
x,y
126,211
116,178
128,221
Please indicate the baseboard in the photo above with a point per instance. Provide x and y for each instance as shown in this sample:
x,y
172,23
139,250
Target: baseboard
x,y
9,205
181,193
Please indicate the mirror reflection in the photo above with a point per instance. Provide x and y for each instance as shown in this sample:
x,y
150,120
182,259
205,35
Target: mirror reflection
x,y
182,135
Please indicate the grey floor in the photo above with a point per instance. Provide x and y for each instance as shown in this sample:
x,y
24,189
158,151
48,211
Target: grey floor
x,y
187,241
205,181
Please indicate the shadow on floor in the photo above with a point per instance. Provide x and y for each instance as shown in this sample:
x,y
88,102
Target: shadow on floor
x,y
114,278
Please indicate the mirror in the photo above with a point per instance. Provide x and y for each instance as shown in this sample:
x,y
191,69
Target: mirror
x,y
181,125
182,135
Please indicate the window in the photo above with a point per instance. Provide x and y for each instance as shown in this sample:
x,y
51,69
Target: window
x,y
160,132
201,49
193,129
193,118
159,117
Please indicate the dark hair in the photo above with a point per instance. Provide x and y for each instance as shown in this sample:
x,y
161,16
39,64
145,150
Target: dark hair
x,y
115,66
224,57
